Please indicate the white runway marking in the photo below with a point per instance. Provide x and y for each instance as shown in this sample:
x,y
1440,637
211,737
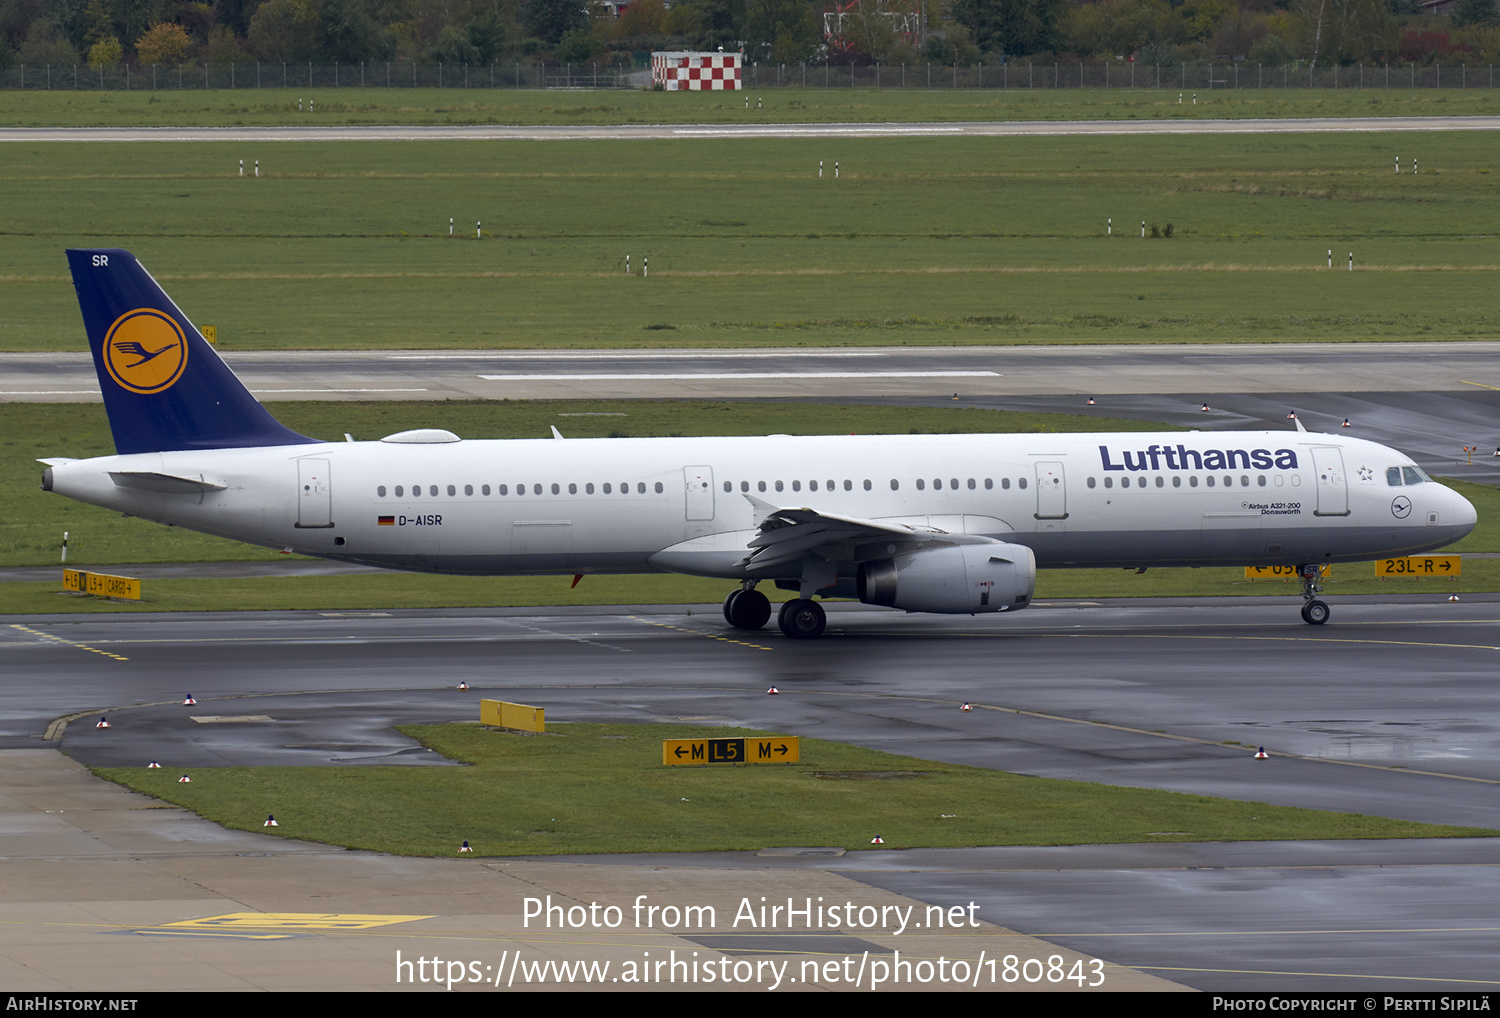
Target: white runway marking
x,y
818,130
340,390
636,355
739,376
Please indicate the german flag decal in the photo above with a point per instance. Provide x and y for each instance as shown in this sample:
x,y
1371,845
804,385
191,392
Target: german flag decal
x,y
387,521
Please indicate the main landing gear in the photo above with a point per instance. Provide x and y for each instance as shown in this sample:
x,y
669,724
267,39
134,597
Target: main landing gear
x,y
799,619
1314,612
802,618
747,608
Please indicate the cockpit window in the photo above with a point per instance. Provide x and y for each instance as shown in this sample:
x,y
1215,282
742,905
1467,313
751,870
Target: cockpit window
x,y
1397,476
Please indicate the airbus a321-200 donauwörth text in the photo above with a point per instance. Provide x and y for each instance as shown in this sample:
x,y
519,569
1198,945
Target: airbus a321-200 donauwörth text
x,y
956,524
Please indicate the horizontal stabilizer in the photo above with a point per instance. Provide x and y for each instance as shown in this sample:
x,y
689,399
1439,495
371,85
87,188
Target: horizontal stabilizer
x,y
167,484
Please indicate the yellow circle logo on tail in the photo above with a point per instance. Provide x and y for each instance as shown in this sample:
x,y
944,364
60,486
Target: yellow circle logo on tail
x,y
145,351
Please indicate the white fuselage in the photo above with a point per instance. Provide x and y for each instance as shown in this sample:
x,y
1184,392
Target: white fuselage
x,y
692,504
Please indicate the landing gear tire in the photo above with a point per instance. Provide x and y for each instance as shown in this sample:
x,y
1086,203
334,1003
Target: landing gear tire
x,y
1315,613
802,619
747,609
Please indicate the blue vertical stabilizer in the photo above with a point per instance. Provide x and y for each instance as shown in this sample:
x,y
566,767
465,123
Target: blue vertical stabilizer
x,y
164,386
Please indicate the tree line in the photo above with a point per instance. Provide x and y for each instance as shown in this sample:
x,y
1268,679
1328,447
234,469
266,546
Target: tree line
x,y
104,33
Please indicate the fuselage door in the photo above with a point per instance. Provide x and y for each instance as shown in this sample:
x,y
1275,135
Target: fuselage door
x,y
1051,492
699,482
314,494
1333,493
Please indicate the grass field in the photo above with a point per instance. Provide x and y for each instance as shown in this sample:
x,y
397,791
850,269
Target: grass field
x,y
919,241
278,107
553,801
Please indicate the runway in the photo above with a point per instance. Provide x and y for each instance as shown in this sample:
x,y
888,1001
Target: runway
x,y
1383,711
749,130
973,371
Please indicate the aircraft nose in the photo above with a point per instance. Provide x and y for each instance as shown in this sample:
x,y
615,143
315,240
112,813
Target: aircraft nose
x,y
1463,513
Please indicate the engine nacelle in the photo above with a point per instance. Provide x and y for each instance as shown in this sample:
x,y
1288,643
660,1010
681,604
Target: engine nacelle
x,y
963,579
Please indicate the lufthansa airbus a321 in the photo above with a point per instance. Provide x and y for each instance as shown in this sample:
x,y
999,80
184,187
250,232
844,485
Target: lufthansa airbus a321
x,y
955,524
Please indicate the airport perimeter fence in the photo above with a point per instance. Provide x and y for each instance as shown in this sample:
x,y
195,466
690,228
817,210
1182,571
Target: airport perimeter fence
x,y
1204,77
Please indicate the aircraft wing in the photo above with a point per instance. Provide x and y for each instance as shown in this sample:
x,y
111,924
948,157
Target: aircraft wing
x,y
785,534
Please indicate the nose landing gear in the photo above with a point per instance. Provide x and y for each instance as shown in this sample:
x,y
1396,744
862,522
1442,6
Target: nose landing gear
x,y
1314,611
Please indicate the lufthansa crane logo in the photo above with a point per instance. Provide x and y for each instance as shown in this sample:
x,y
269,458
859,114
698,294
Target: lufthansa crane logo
x,y
145,351
1401,507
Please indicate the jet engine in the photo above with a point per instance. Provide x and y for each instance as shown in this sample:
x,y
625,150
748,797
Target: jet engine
x,y
963,579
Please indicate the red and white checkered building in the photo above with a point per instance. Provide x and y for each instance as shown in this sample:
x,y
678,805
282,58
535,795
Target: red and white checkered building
x,y
696,72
